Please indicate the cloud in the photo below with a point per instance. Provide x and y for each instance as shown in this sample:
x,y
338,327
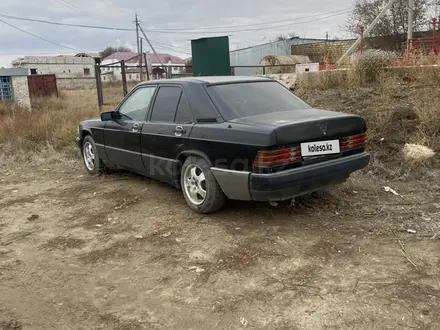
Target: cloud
x,y
170,14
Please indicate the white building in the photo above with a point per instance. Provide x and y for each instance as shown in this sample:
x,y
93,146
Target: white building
x,y
111,68
71,71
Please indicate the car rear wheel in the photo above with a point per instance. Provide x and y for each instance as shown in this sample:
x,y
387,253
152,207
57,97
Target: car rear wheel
x,y
92,162
200,189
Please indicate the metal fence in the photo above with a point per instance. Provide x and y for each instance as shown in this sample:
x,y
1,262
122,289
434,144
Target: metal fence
x,y
263,69
115,80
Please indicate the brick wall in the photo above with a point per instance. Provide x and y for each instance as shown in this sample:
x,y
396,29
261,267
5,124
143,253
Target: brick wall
x,y
332,50
62,70
323,52
61,66
21,91
76,83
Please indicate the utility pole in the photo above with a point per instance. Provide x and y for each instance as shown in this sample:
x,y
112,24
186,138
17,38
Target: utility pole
x,y
367,30
152,48
140,61
137,32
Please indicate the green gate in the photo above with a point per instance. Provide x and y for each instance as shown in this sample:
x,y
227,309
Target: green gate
x,y
210,56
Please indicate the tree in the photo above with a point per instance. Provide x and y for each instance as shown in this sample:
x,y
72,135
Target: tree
x,y
395,21
111,50
286,36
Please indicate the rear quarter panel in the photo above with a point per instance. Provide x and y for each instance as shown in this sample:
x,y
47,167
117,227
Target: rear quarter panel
x,y
229,145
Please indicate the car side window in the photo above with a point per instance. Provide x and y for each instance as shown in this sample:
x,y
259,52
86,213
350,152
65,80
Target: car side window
x,y
136,106
166,102
183,114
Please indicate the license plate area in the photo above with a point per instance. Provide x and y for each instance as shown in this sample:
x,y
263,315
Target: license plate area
x,y
319,148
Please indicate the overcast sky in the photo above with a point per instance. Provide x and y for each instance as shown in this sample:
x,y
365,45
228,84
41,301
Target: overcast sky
x,y
220,17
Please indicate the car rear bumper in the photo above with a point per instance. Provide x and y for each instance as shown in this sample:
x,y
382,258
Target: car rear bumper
x,y
290,183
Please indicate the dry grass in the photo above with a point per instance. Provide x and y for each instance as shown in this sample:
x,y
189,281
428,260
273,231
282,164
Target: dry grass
x,y
53,121
322,80
113,92
369,67
427,109
375,68
400,105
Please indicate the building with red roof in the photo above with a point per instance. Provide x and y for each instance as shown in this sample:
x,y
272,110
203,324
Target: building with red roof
x,y
160,64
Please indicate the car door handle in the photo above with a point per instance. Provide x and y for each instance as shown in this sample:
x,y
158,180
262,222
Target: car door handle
x,y
136,127
179,130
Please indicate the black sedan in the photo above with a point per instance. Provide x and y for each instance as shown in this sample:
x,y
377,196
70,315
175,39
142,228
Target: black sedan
x,y
244,138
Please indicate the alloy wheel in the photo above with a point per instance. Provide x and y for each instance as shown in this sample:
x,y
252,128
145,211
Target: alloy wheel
x,y
89,156
195,184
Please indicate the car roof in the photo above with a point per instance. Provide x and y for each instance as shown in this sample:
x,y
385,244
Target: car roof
x,y
208,80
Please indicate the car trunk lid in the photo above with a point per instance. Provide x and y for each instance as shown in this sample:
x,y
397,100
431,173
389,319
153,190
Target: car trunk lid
x,y
307,125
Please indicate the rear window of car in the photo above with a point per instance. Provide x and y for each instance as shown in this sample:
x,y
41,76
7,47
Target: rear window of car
x,y
246,99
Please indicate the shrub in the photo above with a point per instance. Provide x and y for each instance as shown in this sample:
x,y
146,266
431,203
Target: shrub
x,y
369,66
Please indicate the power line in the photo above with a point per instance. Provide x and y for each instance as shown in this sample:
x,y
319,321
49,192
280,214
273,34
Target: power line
x,y
77,9
41,38
342,11
172,47
161,44
65,24
122,9
246,30
45,53
167,48
182,31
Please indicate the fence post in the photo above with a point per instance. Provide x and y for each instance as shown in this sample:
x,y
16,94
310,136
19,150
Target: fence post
x,y
124,78
139,66
232,71
434,49
264,70
99,85
146,66
362,39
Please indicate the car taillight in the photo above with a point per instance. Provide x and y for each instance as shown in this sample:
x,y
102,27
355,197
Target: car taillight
x,y
277,157
353,142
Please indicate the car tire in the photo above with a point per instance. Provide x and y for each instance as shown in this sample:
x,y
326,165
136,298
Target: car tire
x,y
91,160
200,189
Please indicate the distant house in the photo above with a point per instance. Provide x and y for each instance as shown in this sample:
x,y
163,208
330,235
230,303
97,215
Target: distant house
x,y
71,71
176,64
111,69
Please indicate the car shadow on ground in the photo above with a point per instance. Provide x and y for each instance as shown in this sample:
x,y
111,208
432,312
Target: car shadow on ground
x,y
305,204
333,209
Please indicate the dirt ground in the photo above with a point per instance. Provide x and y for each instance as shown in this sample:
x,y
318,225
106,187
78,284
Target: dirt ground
x,y
125,252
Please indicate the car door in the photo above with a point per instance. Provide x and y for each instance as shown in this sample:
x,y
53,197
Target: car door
x,y
122,136
165,133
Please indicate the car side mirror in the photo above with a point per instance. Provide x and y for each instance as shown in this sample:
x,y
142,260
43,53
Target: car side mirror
x,y
110,115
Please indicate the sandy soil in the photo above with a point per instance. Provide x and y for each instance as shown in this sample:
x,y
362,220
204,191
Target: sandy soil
x,y
124,252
